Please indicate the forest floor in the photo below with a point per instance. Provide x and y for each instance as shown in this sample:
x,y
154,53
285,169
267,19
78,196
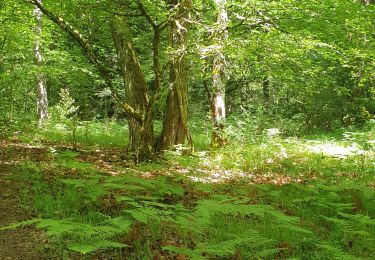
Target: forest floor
x,y
273,199
26,242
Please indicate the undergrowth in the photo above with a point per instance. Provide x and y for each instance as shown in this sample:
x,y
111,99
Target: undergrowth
x,y
324,210
128,216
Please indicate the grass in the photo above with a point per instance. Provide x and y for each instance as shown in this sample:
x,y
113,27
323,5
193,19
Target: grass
x,y
269,197
104,133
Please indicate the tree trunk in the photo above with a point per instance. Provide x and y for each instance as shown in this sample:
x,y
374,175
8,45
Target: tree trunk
x,y
175,127
41,90
218,76
141,131
141,134
266,95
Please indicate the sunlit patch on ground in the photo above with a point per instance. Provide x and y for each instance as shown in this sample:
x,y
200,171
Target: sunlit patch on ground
x,y
336,150
210,170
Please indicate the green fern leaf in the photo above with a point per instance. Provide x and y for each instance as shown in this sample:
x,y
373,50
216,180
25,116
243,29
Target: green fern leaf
x,y
91,247
20,224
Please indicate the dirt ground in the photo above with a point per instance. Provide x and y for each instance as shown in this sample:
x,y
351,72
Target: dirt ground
x,y
21,243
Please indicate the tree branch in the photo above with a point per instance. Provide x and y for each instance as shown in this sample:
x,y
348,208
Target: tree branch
x,y
155,48
90,54
144,12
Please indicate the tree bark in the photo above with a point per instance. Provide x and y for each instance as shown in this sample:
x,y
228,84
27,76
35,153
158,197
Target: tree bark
x,y
175,127
87,49
266,95
41,89
141,134
218,76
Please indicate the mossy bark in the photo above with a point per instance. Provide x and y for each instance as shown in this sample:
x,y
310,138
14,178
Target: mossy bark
x,y
141,133
175,127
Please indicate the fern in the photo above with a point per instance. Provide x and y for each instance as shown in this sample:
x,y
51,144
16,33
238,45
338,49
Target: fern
x,y
83,230
192,254
337,253
20,224
165,188
85,248
122,224
230,246
91,186
125,187
146,214
143,215
208,208
219,244
359,219
130,179
82,237
223,248
268,253
79,183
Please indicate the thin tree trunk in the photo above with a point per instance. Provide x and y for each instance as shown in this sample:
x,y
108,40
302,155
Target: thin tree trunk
x,y
90,54
266,95
41,90
175,127
141,134
218,76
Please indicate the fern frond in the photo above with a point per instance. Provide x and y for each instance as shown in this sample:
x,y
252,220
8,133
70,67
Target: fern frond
x,y
230,246
79,183
20,224
337,253
145,214
359,219
121,223
207,208
83,230
125,187
192,254
85,248
130,179
165,188
268,253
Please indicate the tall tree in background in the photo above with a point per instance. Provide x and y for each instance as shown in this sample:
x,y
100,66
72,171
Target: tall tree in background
x,y
218,74
141,133
42,97
175,127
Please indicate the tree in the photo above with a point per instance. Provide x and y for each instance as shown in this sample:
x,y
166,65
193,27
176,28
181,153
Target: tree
x,y
175,126
218,75
139,100
42,97
141,133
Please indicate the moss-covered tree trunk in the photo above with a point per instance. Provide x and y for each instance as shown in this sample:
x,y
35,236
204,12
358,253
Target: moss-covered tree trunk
x,y
141,132
175,127
218,75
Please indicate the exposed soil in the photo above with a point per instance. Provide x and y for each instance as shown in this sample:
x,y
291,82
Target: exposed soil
x,y
26,242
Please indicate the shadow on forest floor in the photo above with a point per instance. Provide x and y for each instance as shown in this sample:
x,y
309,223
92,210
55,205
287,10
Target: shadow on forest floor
x,y
67,193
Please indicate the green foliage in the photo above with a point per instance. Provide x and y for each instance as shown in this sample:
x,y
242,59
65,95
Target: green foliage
x,y
293,67
64,116
331,216
82,237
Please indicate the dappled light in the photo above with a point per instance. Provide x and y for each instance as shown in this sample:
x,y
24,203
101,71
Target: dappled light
x,y
336,150
186,129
